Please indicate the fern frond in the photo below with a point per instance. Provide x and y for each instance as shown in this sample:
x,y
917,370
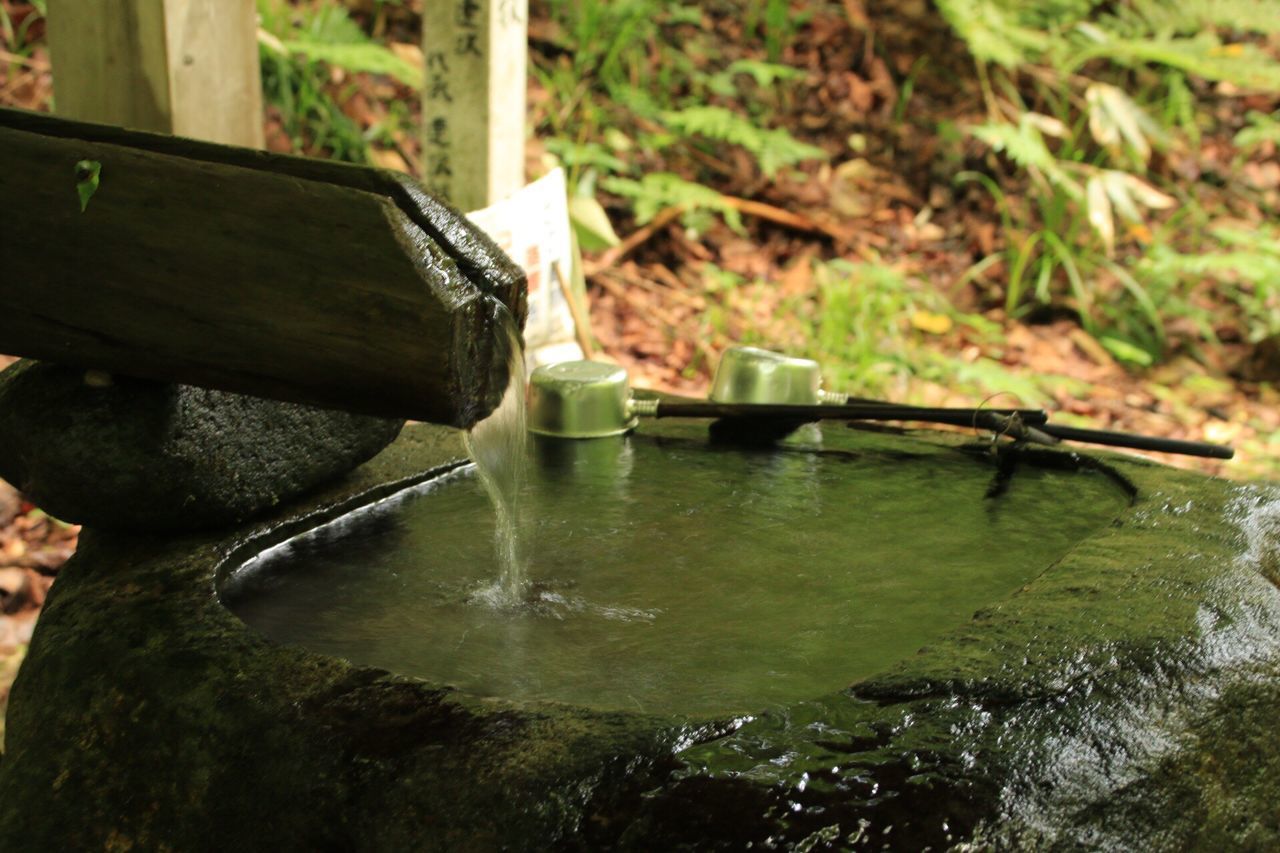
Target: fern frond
x,y
1202,55
328,34
1024,144
370,58
1262,128
657,191
993,33
772,148
764,73
1187,17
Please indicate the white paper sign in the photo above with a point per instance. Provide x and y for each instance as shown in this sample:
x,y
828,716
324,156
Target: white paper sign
x,y
532,227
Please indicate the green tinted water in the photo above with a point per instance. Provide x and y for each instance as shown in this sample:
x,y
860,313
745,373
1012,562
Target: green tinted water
x,y
667,576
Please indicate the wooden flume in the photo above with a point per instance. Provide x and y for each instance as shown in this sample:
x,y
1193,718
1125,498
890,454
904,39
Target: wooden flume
x,y
302,280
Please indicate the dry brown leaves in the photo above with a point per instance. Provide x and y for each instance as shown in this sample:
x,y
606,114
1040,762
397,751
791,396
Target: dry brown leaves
x,y
32,549
26,81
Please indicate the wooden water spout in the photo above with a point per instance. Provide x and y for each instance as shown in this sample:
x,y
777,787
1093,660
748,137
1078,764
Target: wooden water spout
x,y
282,277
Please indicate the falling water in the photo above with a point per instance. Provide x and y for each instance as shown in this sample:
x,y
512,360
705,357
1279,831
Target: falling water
x,y
499,447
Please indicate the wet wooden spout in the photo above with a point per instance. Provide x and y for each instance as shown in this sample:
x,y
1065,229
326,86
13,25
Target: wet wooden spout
x,y
282,277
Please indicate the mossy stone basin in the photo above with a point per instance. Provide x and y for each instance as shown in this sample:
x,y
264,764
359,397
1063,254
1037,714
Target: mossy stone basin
x,y
1122,696
668,575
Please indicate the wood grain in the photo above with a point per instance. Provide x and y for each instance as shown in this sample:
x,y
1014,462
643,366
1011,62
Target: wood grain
x,y
188,67
233,269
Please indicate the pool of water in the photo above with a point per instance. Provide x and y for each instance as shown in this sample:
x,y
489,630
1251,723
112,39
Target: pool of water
x,y
671,576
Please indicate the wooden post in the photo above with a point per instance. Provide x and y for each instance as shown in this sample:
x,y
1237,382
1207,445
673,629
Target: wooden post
x,y
474,99
186,67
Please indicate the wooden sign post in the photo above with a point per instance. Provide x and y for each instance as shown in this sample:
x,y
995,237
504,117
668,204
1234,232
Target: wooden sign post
x,y
474,99
186,67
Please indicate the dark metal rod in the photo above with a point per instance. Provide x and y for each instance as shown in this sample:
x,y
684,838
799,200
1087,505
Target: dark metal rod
x,y
861,412
1138,442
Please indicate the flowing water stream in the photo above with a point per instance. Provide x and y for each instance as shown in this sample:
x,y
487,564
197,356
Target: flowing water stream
x,y
499,447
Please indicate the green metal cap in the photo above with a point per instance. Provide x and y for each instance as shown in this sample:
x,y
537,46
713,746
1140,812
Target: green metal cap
x,y
580,399
752,375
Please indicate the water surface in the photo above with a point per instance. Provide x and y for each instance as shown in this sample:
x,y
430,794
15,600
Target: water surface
x,y
669,576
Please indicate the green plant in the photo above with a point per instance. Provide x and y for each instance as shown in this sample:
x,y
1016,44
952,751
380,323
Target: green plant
x,y
1074,204
640,54
1245,264
297,45
772,148
657,191
17,37
1262,128
608,38
1090,194
864,335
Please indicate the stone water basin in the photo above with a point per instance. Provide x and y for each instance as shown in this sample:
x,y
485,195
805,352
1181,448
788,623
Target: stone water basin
x,y
1101,672
673,577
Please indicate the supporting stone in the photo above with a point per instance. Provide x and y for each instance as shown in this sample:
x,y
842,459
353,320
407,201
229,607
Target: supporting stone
x,y
138,455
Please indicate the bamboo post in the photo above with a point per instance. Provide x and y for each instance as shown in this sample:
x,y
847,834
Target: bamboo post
x,y
186,67
474,99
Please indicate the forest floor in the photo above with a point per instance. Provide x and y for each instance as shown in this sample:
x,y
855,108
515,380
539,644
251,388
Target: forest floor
x,y
668,302
33,547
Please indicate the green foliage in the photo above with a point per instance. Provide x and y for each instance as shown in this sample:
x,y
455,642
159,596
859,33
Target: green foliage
x,y
764,74
1025,145
1262,128
1203,55
370,58
864,335
296,46
586,155
1086,161
18,38
1067,34
773,149
1135,18
591,224
1246,268
326,33
640,55
994,31
657,191
777,27
608,38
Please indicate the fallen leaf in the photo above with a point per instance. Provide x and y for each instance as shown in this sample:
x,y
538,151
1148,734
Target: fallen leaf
x,y
386,158
934,324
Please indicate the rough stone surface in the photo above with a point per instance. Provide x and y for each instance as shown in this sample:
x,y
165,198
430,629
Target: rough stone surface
x,y
150,456
1123,699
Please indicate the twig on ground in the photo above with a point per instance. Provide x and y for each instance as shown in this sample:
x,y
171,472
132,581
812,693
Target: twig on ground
x,y
642,307
675,287
27,61
634,240
777,215
581,320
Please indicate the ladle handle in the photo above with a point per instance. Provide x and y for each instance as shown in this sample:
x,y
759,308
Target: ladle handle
x,y
863,412
1138,442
